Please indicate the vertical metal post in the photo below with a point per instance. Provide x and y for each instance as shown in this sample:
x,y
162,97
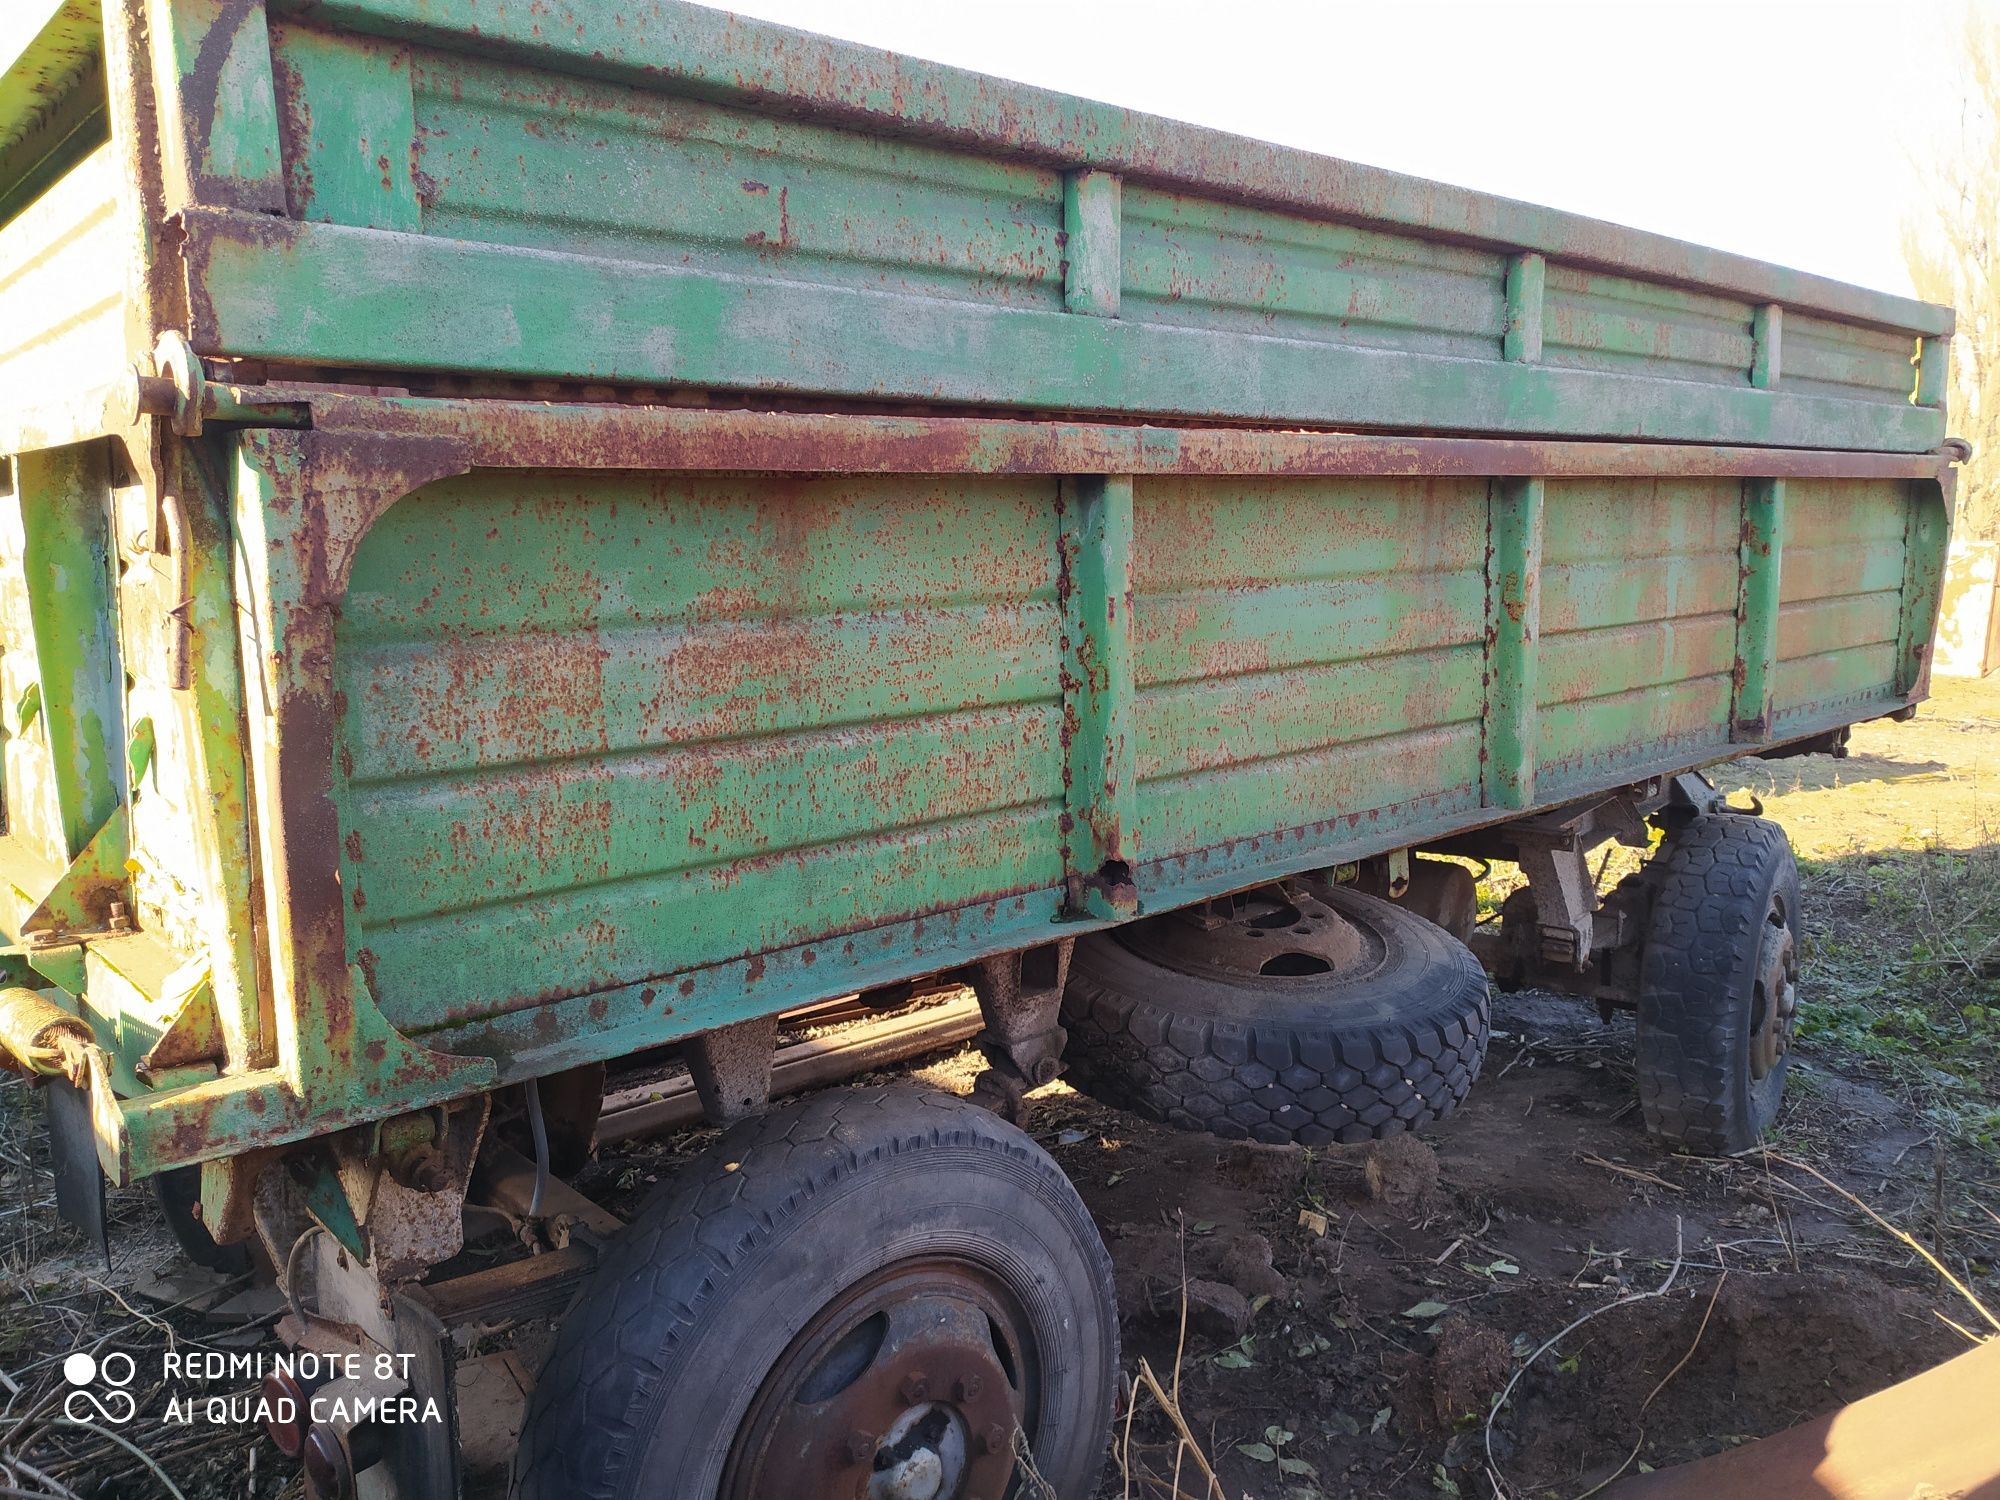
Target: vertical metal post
x,y
1099,695
1093,257
1527,280
1933,370
218,105
66,526
1760,556
1926,538
1767,338
1513,632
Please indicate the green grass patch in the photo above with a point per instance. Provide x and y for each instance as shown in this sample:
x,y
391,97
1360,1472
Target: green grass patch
x,y
1903,973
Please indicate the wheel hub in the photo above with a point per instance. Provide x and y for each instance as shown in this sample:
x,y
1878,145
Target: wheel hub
x,y
1272,932
906,1387
1774,995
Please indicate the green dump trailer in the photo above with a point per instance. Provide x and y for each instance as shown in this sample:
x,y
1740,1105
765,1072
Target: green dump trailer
x,y
535,533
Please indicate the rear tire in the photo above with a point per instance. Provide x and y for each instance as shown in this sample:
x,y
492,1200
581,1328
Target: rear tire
x,y
1718,983
1385,1046
710,1356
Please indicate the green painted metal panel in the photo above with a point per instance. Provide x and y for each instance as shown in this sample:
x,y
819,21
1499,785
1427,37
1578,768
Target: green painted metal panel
x,y
1638,610
66,555
1298,639
708,54
347,120
269,288
1760,555
1515,530
1196,263
603,198
622,728
1840,359
1596,321
649,177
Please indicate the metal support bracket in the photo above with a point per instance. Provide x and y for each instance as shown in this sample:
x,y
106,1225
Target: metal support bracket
x,y
731,1067
1565,902
1020,995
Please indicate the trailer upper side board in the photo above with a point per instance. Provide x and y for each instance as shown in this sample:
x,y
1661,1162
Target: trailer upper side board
x,y
660,195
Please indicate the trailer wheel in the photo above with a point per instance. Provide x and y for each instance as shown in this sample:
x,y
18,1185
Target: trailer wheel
x,y
1305,1013
1718,982
866,1293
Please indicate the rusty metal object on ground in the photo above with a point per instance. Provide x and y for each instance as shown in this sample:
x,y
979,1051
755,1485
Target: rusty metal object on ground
x,y
1933,1434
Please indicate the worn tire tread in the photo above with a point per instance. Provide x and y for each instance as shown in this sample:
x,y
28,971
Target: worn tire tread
x,y
1277,1080
1709,885
590,1416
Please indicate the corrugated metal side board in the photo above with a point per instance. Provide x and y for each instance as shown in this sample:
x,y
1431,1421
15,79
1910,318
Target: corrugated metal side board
x,y
551,223
1638,623
603,734
1840,596
601,729
1306,649
646,176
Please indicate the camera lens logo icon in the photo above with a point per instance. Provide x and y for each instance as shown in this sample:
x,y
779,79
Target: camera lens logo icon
x,y
85,1403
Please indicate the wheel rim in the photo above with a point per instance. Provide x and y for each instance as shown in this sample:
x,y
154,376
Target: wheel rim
x,y
1271,934
1774,993
909,1385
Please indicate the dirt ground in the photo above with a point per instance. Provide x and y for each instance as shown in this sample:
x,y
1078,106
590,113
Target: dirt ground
x,y
1352,1314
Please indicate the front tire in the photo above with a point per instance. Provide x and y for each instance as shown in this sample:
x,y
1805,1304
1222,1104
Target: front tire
x,y
1718,983
866,1286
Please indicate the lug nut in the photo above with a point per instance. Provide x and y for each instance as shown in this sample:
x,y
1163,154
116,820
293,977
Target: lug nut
x,y
967,1389
916,1388
860,1447
993,1439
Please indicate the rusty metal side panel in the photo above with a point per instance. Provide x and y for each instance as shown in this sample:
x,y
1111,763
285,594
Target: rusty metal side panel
x,y
654,178
576,730
1597,321
1638,623
1307,649
603,729
705,53
1194,262
1840,596
640,211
